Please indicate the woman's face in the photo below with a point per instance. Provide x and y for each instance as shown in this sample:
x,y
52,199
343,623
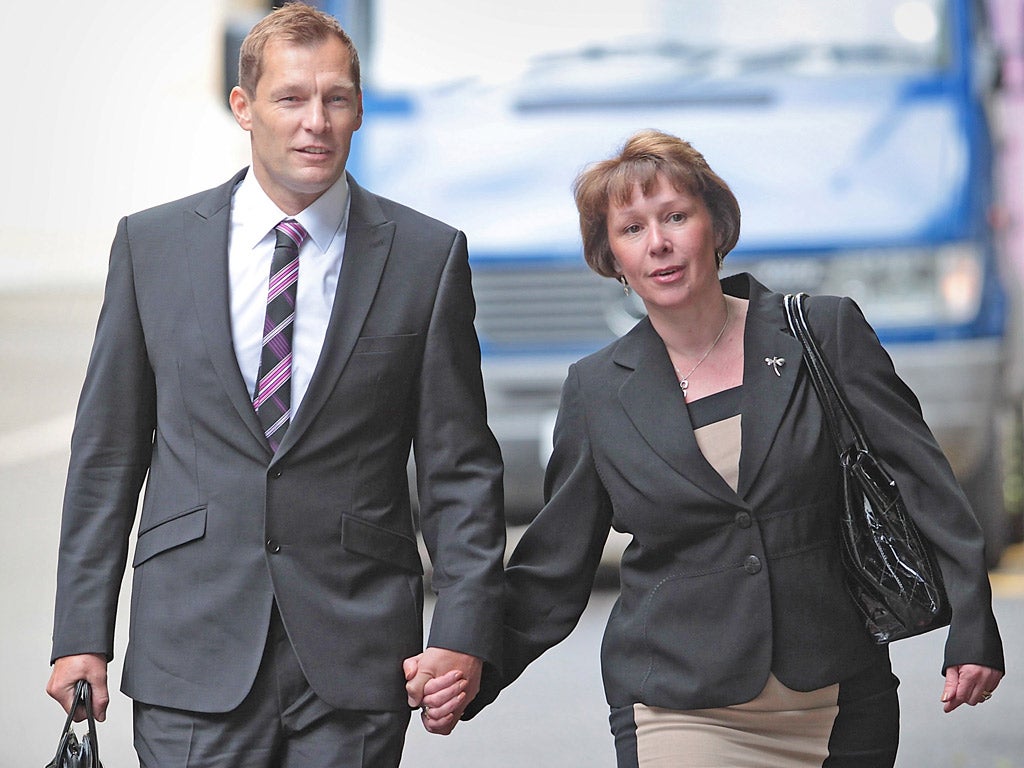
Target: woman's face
x,y
664,245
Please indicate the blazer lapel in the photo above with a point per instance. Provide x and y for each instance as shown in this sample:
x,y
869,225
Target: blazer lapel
x,y
206,246
651,397
771,361
367,246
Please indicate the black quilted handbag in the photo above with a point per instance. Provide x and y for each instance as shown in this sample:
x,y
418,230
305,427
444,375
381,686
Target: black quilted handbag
x,y
72,753
890,568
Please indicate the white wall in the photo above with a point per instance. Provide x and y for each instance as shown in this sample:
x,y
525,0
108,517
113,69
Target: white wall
x,y
109,106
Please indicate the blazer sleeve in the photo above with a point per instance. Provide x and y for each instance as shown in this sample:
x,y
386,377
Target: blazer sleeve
x,y
892,421
551,573
459,474
111,448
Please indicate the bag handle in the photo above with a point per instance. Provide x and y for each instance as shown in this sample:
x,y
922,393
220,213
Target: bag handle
x,y
822,378
83,697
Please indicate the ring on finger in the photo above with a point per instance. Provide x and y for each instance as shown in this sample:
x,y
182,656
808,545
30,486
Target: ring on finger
x,y
986,695
426,710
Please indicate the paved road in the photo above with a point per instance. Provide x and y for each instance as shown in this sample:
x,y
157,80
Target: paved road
x,y
554,717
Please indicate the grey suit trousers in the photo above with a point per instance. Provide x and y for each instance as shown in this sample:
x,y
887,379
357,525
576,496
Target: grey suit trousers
x,y
282,723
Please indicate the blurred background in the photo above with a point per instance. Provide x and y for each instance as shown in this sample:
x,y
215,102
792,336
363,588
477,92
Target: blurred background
x,y
876,148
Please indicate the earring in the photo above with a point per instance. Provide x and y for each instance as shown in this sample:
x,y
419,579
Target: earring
x,y
719,259
625,285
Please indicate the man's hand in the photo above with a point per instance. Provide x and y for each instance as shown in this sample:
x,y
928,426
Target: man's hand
x,y
68,670
969,684
442,683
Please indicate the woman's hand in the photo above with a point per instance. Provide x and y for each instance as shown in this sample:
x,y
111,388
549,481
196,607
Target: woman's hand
x,y
969,684
441,698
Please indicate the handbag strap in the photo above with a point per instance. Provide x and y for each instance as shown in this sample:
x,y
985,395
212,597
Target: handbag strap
x,y
83,697
837,409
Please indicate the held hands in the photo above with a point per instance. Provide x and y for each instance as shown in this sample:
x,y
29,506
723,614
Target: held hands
x,y
441,683
969,684
68,670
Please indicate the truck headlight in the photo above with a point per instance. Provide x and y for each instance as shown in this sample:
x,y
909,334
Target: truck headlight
x,y
893,286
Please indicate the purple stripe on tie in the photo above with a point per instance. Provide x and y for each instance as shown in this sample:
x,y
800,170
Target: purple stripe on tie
x,y
283,280
278,424
294,230
270,383
270,333
278,375
279,346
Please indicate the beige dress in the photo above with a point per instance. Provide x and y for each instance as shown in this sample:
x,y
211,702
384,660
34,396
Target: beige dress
x,y
780,728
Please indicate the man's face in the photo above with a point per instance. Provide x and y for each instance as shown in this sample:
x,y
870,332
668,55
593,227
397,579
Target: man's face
x,y
300,120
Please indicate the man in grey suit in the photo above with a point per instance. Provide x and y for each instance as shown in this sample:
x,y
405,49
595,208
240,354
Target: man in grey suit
x,y
277,584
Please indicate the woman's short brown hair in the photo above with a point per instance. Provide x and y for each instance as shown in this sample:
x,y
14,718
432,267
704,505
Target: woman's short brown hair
x,y
295,23
644,157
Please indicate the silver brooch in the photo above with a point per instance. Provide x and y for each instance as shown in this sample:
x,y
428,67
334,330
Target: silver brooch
x,y
775,363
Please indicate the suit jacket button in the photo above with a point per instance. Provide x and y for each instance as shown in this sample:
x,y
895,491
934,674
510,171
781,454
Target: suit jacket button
x,y
752,565
273,547
743,519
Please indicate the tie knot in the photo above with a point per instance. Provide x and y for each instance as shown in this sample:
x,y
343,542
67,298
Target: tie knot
x,y
293,231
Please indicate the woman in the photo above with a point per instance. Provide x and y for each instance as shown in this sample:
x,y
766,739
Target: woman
x,y
733,641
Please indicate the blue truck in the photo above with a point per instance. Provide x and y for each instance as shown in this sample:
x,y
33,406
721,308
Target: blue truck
x,y
856,135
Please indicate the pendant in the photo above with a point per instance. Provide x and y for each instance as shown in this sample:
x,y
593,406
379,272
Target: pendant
x,y
684,385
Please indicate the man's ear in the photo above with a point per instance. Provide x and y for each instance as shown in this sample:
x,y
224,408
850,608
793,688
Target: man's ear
x,y
241,107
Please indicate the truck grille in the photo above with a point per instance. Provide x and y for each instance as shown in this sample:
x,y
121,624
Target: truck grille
x,y
541,307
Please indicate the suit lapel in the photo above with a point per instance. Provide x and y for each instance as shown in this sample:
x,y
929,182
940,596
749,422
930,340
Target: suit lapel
x,y
367,246
654,404
651,398
206,245
767,386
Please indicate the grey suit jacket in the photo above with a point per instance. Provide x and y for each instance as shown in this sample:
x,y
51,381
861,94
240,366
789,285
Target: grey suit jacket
x,y
718,588
323,527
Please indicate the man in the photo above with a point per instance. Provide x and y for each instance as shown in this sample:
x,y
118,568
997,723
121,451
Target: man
x,y
277,583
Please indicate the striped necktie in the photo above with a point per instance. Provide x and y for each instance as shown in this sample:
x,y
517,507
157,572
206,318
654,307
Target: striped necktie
x,y
273,396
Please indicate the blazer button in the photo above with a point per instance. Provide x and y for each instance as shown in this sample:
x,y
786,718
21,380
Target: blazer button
x,y
273,547
743,519
752,565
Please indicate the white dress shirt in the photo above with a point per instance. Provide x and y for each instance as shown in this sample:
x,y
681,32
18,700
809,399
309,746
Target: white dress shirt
x,y
250,251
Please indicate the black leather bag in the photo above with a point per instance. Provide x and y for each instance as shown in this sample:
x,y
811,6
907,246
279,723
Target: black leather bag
x,y
72,753
891,570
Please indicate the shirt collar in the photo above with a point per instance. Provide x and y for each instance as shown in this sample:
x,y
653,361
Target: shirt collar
x,y
259,215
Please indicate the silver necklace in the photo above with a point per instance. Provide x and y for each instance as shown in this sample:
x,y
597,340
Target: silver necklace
x,y
684,381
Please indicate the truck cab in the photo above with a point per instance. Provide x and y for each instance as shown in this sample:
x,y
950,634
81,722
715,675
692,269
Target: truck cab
x,y
856,136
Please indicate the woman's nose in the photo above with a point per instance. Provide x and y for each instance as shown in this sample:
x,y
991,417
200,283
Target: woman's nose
x,y
657,240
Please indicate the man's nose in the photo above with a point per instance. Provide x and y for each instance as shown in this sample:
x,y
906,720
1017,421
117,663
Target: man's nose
x,y
316,117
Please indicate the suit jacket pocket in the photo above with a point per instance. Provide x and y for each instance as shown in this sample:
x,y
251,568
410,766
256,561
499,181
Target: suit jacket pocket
x,y
376,345
365,538
180,529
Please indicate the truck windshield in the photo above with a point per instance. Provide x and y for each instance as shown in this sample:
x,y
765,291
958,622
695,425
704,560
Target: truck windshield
x,y
420,45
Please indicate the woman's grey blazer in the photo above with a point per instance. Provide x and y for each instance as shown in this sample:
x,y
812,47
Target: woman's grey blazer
x,y
718,588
